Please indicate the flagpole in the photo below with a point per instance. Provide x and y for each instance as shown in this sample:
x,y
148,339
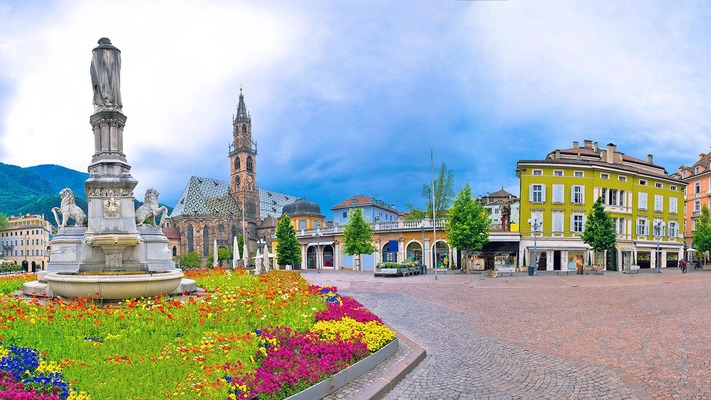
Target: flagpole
x,y
244,236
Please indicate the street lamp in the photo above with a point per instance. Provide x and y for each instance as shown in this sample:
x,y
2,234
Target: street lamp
x,y
658,230
318,251
535,225
423,266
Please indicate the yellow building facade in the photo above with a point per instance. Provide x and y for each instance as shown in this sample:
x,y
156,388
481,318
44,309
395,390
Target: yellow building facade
x,y
558,192
26,238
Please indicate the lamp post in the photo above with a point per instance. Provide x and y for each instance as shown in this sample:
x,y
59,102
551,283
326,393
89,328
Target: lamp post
x,y
658,229
423,266
318,250
535,225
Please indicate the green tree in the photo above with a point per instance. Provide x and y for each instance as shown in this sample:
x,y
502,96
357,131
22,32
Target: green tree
x,y
222,254
702,233
288,248
3,221
444,191
599,231
468,225
191,260
357,236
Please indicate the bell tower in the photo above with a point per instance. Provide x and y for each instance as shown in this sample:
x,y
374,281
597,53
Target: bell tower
x,y
243,164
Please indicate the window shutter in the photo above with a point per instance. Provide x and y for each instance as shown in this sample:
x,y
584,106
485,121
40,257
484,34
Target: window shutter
x,y
582,195
543,193
530,192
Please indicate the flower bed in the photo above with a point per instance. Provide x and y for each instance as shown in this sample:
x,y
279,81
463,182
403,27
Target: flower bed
x,y
268,336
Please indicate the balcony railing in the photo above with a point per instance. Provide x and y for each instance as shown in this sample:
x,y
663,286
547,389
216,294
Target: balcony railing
x,y
412,225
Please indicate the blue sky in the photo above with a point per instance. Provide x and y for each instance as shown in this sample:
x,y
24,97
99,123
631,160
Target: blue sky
x,y
349,97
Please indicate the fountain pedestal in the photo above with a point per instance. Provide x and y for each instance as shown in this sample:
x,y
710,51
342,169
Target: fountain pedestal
x,y
114,256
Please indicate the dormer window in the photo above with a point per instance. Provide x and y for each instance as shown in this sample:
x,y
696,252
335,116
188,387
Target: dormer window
x,y
697,169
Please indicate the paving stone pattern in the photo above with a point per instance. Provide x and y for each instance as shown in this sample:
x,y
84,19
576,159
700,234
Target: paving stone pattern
x,y
613,336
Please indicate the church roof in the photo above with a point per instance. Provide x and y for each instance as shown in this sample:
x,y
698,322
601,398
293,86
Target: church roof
x,y
212,196
206,196
271,203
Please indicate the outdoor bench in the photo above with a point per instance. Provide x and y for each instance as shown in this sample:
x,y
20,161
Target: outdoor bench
x,y
566,271
634,269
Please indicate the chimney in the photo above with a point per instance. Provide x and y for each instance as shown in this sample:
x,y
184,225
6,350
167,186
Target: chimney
x,y
587,144
701,155
575,144
611,153
557,154
650,158
595,146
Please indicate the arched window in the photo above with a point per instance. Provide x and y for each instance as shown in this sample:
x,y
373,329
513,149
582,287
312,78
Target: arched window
x,y
237,163
237,181
205,242
249,164
175,251
244,128
234,231
191,243
220,229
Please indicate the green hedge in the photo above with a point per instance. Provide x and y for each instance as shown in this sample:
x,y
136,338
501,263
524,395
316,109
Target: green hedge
x,y
6,268
408,264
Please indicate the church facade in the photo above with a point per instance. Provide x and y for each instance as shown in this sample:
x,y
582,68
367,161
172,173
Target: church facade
x,y
211,210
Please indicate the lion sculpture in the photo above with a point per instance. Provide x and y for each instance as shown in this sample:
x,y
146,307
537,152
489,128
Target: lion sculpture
x,y
69,210
150,209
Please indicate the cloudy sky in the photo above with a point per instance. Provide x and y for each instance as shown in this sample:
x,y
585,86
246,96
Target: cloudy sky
x,y
349,97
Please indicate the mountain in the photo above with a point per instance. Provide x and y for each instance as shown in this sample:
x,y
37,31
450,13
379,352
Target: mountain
x,y
60,177
35,190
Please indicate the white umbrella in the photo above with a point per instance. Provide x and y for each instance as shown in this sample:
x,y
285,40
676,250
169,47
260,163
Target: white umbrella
x,y
245,254
266,258
235,256
214,257
257,262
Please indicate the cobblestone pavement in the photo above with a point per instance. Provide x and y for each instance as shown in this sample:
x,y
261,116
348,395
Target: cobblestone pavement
x,y
613,336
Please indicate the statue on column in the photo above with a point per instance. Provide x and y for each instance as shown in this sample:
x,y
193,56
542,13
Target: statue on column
x,y
106,76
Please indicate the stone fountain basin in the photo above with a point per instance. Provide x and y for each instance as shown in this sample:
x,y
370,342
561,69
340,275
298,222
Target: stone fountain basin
x,y
113,285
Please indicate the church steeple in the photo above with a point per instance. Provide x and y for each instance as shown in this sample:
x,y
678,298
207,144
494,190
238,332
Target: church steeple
x,y
243,163
242,114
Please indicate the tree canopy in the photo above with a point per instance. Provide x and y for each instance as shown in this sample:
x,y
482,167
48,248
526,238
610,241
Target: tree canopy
x,y
357,235
444,191
191,260
468,225
599,231
702,233
288,248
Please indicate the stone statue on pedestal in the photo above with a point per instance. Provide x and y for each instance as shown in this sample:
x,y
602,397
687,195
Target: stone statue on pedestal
x,y
68,210
106,75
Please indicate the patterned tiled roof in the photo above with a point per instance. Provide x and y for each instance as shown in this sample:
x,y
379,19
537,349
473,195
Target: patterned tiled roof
x,y
206,196
271,203
212,196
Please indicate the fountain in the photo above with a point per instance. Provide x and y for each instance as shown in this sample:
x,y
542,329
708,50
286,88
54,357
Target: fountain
x,y
115,252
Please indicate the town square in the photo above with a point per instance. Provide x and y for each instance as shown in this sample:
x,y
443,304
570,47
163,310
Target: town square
x,y
296,202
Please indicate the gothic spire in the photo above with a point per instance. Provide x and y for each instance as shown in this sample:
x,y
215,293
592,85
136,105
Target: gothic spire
x,y
242,114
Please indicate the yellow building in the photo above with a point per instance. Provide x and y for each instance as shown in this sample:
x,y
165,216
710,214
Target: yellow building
x,y
26,238
557,194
